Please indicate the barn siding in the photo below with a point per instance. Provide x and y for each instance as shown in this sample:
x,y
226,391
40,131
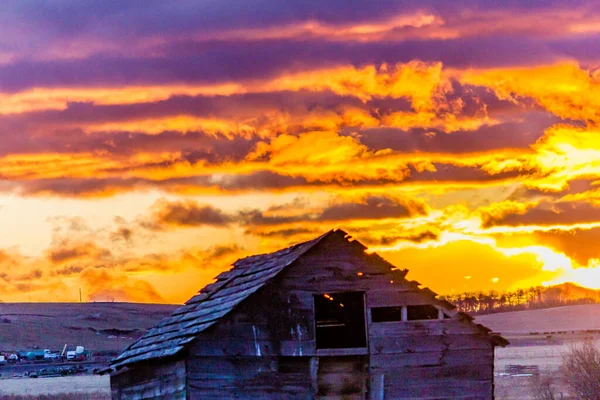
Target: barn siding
x,y
250,378
150,381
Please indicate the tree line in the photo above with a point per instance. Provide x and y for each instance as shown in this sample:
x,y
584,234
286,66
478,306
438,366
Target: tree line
x,y
536,297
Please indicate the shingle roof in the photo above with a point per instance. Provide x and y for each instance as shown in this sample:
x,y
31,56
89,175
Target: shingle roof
x,y
211,304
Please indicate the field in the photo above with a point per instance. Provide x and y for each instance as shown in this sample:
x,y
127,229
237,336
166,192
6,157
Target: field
x,y
97,326
77,386
559,319
538,338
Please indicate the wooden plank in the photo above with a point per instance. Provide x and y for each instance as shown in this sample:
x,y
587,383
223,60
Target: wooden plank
x,y
462,389
298,347
432,358
150,382
421,328
393,297
433,343
214,346
250,377
438,374
377,389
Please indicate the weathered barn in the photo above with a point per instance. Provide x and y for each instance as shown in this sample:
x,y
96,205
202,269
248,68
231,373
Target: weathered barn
x,y
321,319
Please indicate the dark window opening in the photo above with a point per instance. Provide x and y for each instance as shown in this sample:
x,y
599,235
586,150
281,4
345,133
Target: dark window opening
x,y
386,314
418,313
340,320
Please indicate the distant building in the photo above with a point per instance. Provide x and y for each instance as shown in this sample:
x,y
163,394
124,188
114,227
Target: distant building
x,y
321,319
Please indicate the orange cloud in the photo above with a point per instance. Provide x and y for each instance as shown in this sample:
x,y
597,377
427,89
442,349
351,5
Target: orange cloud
x,y
564,89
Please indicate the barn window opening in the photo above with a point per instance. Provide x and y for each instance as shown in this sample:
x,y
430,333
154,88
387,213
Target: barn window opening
x,y
386,314
340,320
421,312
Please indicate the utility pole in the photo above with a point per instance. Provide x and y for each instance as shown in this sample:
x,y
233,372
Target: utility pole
x,y
80,296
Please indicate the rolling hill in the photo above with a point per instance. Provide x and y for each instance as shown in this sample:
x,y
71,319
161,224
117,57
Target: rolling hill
x,y
97,326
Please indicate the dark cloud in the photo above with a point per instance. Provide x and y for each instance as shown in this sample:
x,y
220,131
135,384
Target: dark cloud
x,y
129,18
524,193
252,182
68,251
284,233
372,207
580,245
188,213
508,135
68,270
548,213
393,238
219,62
464,174
122,233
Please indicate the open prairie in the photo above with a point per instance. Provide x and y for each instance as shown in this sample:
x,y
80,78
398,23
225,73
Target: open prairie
x,y
539,338
560,319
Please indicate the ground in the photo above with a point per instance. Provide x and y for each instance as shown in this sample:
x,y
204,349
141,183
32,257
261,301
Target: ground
x,y
538,338
75,385
96,326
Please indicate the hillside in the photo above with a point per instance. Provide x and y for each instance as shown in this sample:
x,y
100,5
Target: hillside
x,y
97,326
559,319
571,291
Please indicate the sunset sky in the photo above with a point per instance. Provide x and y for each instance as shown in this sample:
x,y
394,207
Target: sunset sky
x,y
146,145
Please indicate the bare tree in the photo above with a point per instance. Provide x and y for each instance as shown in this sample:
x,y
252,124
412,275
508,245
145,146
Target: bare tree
x,y
542,388
581,371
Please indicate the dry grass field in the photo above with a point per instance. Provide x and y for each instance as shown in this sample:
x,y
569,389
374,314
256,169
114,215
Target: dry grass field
x,y
97,326
559,319
76,387
539,338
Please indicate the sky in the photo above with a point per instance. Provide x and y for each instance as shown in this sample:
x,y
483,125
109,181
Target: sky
x,y
145,146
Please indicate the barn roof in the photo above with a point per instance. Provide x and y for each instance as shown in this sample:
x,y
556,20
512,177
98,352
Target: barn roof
x,y
217,299
211,304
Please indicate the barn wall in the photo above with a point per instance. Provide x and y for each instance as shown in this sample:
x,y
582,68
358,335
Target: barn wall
x,y
150,381
415,359
249,378
447,358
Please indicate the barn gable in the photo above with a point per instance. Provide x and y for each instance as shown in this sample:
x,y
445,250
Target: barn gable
x,y
247,276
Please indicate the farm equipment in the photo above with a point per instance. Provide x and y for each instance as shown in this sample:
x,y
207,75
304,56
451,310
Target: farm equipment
x,y
32,355
79,354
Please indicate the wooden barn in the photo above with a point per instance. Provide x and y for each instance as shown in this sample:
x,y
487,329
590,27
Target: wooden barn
x,y
321,319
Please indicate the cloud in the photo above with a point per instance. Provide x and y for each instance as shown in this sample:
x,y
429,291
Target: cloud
x,y
547,213
188,213
578,244
68,251
102,285
428,130
373,208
